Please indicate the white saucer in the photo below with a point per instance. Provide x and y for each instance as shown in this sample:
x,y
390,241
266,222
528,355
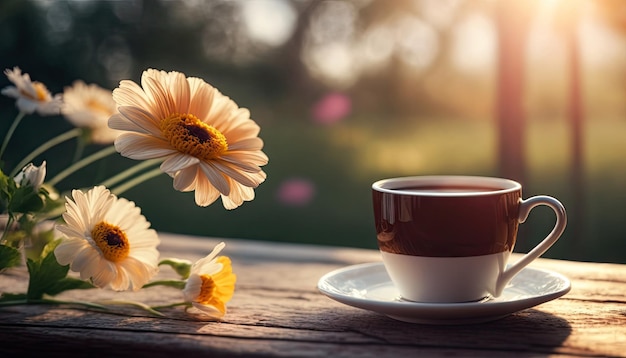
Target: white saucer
x,y
368,286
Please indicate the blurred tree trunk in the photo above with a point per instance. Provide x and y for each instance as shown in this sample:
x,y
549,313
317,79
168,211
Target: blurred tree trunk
x,y
293,71
576,118
512,21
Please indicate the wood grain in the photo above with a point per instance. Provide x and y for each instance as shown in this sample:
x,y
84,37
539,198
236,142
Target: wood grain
x,y
277,311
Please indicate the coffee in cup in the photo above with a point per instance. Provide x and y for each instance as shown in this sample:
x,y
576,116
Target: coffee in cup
x,y
449,238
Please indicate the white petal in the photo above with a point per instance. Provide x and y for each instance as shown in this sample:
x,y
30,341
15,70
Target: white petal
x,y
67,249
199,267
25,105
105,274
208,310
193,287
86,262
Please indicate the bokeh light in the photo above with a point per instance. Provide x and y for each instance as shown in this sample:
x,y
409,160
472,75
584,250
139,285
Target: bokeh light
x,y
331,108
296,192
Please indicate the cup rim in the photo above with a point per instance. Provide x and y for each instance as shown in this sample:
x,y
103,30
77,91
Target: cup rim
x,y
392,185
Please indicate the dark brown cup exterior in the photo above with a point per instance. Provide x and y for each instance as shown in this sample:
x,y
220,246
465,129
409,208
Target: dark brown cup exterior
x,y
446,226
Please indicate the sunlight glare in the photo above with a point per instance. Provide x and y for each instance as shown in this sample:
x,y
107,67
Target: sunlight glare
x,y
328,50
332,63
416,42
440,13
375,49
474,43
269,21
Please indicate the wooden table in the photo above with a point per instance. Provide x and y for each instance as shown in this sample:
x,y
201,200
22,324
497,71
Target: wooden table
x,y
278,311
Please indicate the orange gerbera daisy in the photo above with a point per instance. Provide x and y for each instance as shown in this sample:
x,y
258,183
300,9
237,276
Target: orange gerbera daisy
x,y
207,143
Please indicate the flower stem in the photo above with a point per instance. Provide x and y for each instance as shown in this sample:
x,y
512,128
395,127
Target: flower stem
x,y
14,125
6,230
128,172
187,304
136,181
169,283
45,146
80,147
81,163
51,301
141,305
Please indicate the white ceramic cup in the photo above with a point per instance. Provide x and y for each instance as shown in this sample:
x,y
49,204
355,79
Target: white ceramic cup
x,y
448,239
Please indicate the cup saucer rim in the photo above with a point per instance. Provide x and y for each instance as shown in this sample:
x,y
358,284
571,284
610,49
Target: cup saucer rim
x,y
367,286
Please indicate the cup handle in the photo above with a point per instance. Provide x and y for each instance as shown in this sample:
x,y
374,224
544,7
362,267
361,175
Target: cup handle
x,y
524,210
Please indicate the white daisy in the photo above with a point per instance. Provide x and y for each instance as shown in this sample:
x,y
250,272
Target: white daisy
x,y
90,106
31,96
107,240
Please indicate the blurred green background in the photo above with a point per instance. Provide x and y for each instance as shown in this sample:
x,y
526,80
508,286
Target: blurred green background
x,y
351,91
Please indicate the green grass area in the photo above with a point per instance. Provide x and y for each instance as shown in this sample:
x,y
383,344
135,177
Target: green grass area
x,y
342,161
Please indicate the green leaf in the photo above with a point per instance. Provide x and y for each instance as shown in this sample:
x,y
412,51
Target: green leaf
x,y
12,296
69,283
51,244
9,257
26,200
39,244
5,191
48,277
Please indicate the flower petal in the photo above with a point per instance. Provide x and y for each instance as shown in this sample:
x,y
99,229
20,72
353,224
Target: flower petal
x,y
201,97
215,177
130,94
140,121
82,247
205,194
239,176
184,180
141,147
180,92
178,161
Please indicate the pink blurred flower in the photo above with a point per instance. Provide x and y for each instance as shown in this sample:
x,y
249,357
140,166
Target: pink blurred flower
x,y
332,108
296,192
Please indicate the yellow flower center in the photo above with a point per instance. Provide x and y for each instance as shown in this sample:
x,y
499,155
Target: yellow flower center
x,y
189,135
97,106
41,92
111,240
217,289
207,290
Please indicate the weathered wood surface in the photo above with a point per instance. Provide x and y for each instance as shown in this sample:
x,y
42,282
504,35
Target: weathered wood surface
x,y
277,311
